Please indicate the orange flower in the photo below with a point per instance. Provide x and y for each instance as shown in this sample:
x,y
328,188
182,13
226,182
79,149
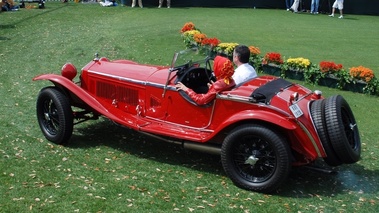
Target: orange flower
x,y
362,73
199,37
254,51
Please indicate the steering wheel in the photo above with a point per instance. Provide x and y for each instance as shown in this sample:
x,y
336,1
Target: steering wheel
x,y
182,68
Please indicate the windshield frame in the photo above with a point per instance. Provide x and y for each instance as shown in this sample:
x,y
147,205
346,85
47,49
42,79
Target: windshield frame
x,y
188,57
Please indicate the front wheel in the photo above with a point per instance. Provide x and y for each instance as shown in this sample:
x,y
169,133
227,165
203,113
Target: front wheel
x,y
54,115
256,158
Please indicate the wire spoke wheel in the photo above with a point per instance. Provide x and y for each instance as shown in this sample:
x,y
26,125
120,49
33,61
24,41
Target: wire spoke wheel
x,y
50,118
54,115
256,158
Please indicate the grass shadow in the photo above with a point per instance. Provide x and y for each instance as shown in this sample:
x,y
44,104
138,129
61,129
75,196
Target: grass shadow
x,y
7,26
4,38
349,18
45,11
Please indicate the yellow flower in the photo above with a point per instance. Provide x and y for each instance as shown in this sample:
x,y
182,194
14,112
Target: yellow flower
x,y
298,63
191,32
226,48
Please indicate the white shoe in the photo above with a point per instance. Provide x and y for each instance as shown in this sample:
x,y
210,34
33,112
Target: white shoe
x,y
340,17
331,15
168,6
159,6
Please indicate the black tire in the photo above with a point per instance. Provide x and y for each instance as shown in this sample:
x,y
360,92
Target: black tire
x,y
54,115
317,112
342,129
256,158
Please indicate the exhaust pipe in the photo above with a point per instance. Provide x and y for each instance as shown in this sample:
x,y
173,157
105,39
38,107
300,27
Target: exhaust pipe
x,y
200,147
214,150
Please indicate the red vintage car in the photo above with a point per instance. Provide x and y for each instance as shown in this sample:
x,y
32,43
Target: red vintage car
x,y
261,129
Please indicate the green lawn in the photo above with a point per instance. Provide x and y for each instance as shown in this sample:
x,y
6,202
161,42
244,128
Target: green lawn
x,y
107,168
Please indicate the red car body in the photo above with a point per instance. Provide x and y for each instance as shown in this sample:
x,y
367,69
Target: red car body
x,y
143,97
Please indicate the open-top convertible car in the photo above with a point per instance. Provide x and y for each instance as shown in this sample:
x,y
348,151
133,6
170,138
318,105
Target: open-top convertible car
x,y
261,129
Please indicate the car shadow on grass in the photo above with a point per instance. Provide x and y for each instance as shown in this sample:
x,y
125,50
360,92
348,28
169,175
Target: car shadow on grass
x,y
306,182
303,182
106,133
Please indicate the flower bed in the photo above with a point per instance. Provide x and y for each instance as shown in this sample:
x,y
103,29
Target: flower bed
x,y
326,73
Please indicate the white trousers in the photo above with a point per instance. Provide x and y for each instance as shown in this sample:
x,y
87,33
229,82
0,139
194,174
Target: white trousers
x,y
168,3
295,5
139,3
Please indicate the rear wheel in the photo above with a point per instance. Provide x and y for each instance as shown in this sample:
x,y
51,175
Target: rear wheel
x,y
256,158
54,115
317,112
342,129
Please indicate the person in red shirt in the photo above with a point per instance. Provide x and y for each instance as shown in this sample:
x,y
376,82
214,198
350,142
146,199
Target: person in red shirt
x,y
223,69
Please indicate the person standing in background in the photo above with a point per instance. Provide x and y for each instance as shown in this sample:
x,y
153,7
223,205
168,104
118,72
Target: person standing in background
x,y
295,6
337,4
139,3
289,4
314,6
168,3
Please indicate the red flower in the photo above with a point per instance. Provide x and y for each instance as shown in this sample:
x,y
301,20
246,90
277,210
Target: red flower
x,y
329,66
213,42
273,57
187,27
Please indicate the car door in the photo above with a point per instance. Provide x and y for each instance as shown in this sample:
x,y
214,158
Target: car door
x,y
183,112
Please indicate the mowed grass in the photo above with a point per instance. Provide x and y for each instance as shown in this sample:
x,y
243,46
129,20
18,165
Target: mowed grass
x,y
107,168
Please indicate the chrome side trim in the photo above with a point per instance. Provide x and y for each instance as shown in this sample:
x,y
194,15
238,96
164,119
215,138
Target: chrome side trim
x,y
118,77
202,129
130,80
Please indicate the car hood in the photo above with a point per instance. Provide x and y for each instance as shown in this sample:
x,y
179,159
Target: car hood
x,y
126,69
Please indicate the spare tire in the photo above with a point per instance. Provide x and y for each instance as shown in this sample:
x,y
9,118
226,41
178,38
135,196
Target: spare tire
x,y
342,129
317,112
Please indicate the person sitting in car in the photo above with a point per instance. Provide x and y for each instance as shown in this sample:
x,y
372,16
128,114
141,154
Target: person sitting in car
x,y
223,69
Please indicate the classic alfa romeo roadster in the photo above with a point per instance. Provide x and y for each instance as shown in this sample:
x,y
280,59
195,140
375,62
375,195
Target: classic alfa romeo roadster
x,y
261,129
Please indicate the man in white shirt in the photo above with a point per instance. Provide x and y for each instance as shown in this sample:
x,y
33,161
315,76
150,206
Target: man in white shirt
x,y
244,72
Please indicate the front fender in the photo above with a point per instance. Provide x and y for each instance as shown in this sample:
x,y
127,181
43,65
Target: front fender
x,y
79,92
